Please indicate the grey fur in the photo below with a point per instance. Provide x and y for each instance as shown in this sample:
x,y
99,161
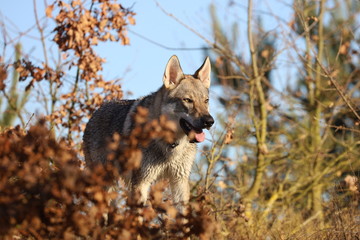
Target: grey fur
x,y
184,100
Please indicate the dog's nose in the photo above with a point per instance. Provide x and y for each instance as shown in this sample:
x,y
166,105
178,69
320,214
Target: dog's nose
x,y
208,121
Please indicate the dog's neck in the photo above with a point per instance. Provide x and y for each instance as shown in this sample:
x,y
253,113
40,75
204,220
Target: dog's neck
x,y
175,144
169,147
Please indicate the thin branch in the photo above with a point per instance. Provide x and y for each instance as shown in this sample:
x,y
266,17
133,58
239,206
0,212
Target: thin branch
x,y
339,128
185,25
338,89
166,47
26,125
230,55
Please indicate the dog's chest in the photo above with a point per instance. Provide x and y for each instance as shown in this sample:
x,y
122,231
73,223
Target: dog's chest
x,y
180,161
170,162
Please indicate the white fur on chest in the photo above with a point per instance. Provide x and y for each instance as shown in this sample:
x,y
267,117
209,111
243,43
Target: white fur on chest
x,y
181,160
176,164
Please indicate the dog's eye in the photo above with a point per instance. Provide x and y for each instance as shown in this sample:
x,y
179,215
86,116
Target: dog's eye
x,y
207,101
187,100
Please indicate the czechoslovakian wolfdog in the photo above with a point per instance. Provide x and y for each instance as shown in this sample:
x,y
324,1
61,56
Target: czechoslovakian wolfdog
x,y
183,99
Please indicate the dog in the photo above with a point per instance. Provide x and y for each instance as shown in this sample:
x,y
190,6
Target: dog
x,y
183,99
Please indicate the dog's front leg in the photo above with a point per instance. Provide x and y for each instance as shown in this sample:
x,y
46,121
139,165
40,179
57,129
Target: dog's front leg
x,y
143,190
142,180
181,193
180,190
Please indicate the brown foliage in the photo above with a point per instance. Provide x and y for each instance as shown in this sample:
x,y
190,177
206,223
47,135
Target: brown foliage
x,y
44,193
3,76
27,70
79,28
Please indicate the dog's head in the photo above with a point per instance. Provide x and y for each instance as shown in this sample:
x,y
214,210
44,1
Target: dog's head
x,y
187,101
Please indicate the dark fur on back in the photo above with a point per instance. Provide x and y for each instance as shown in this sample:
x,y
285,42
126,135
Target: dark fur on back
x,y
106,121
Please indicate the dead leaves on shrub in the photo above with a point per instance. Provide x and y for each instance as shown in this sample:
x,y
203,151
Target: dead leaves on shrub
x,y
79,28
80,25
27,70
45,193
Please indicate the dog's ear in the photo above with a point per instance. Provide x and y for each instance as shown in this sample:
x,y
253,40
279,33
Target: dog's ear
x,y
173,73
203,73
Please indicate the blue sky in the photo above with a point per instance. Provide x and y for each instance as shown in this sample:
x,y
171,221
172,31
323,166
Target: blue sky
x,y
142,63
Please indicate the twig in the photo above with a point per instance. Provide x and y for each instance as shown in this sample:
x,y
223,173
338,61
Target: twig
x,y
166,47
77,78
52,89
32,115
185,25
337,87
213,45
305,223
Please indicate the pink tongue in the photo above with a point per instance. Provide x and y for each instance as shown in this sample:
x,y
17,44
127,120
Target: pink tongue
x,y
200,137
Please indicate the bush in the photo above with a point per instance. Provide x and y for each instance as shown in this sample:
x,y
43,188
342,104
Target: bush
x,y
46,193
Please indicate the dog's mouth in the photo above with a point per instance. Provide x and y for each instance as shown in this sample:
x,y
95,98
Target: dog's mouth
x,y
195,134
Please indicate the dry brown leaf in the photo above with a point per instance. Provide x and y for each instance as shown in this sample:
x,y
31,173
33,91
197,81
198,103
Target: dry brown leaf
x,y
49,11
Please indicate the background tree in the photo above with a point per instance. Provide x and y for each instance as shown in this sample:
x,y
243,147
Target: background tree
x,y
291,166
13,103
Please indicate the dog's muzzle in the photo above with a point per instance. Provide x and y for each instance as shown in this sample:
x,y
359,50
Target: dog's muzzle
x,y
195,131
